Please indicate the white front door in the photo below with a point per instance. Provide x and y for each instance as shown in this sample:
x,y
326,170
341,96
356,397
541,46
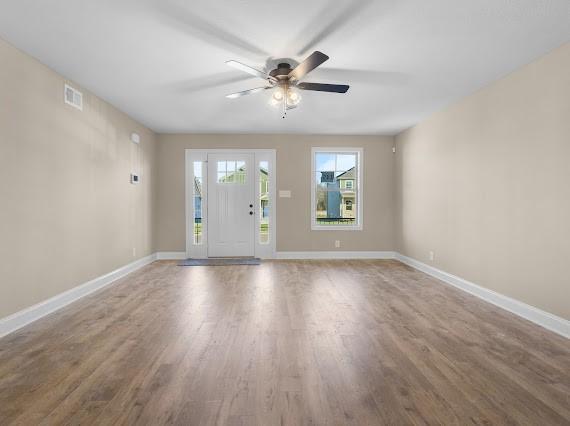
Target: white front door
x,y
231,201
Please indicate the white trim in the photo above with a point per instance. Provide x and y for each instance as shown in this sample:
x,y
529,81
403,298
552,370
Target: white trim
x,y
335,255
535,315
28,315
359,188
171,255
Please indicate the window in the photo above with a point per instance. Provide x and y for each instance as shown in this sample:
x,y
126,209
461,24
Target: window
x,y
231,172
197,192
336,200
264,202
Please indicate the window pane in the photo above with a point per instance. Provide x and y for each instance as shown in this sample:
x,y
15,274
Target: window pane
x,y
198,169
326,180
348,207
335,207
240,172
231,172
322,202
264,207
197,203
197,220
325,161
345,162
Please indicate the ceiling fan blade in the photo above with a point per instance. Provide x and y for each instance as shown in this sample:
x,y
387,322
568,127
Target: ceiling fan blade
x,y
246,92
252,71
321,87
313,61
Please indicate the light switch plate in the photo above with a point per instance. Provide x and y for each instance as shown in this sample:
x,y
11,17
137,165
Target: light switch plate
x,y
284,193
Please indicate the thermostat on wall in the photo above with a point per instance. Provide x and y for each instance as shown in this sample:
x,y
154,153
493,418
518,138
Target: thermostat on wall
x,y
135,138
134,178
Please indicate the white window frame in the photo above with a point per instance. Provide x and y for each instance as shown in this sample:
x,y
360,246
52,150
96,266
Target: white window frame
x,y
263,251
358,193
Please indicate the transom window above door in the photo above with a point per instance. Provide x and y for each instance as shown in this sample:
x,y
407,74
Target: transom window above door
x,y
336,199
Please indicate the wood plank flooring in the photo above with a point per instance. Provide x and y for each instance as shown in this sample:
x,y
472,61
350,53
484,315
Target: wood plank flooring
x,y
288,342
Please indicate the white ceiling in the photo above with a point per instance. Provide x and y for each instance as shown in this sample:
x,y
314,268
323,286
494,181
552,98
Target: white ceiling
x,y
162,61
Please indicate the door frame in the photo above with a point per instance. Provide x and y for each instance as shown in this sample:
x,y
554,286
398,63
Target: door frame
x,y
264,251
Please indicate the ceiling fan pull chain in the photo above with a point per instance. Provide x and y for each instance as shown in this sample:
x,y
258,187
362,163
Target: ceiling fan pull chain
x,y
284,105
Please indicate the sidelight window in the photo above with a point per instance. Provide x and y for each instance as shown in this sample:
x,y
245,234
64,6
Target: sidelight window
x,y
197,192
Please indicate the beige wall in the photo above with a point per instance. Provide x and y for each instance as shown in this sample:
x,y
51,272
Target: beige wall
x,y
67,210
293,173
485,184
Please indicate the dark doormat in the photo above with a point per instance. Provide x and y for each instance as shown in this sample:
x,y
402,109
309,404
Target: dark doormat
x,y
221,261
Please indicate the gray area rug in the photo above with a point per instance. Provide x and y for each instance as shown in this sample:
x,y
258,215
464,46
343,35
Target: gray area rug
x,y
221,261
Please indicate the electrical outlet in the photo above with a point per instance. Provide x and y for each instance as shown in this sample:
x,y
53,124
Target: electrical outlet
x,y
134,252
431,255
337,243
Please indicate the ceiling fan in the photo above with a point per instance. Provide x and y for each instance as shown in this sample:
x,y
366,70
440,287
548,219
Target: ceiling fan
x,y
286,80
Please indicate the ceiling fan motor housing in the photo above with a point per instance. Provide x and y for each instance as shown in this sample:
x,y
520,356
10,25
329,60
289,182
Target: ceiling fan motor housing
x,y
282,71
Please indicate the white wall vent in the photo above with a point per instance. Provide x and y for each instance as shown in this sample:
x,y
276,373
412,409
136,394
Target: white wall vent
x,y
73,97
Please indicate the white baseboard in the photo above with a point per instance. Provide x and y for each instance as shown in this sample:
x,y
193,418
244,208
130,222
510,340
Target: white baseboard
x,y
171,255
335,255
26,316
549,321
535,315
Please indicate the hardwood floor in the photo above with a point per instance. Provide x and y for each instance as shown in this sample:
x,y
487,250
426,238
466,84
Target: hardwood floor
x,y
287,342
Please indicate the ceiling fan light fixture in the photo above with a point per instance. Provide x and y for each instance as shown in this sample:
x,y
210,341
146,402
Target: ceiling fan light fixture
x,y
293,97
278,94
